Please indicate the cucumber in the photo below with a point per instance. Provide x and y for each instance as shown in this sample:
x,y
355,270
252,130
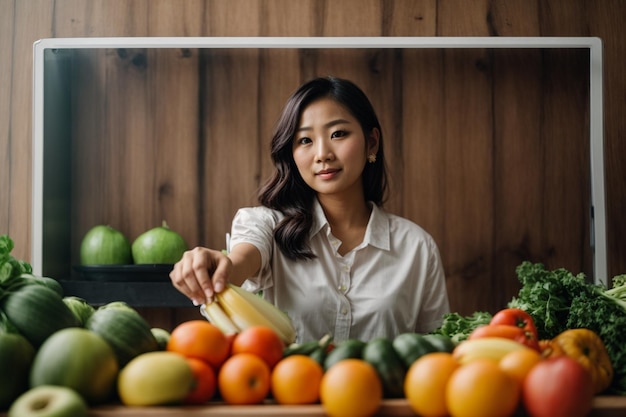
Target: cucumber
x,y
411,346
440,342
307,348
380,353
349,348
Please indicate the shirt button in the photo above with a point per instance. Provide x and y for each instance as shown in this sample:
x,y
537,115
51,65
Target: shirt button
x,y
344,311
341,288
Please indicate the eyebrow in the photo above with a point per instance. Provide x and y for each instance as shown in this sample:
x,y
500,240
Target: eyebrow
x,y
327,125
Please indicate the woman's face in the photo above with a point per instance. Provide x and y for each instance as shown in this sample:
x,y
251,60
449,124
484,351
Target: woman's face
x,y
330,149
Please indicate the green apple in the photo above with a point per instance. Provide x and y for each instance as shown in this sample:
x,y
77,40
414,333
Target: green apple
x,y
49,401
160,245
105,245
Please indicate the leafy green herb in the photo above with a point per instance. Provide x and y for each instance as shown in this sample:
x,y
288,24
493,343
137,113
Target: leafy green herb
x,y
458,327
559,300
10,268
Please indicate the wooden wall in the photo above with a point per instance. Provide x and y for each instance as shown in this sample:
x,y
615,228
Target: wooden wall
x,y
487,149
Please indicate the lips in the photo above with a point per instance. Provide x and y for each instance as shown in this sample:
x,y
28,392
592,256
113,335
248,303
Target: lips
x,y
327,173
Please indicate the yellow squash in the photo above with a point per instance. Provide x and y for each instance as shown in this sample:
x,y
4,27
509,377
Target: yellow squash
x,y
586,347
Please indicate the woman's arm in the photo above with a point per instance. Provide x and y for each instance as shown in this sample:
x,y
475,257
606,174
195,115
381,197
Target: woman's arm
x,y
201,271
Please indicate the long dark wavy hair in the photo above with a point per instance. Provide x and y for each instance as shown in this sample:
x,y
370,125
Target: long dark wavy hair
x,y
286,191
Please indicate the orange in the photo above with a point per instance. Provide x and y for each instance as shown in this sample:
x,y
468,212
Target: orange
x,y
518,363
201,340
296,380
261,341
481,388
425,383
351,388
205,382
244,379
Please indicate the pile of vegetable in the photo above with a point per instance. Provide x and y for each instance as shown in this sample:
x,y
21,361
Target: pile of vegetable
x,y
559,300
458,327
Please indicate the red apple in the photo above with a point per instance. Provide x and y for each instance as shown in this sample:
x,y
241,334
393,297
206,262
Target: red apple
x,y
558,387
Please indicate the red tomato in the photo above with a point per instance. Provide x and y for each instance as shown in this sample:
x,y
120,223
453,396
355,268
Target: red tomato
x,y
558,387
206,382
521,319
508,332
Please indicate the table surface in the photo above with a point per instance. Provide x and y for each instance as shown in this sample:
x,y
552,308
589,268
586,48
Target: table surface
x,y
604,406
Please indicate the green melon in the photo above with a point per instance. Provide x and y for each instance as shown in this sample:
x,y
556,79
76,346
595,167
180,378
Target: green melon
x,y
16,358
105,245
80,359
160,245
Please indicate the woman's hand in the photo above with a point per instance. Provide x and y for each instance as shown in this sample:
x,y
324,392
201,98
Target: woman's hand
x,y
201,273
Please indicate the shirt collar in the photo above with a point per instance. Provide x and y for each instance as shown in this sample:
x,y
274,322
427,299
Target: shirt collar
x,y
377,233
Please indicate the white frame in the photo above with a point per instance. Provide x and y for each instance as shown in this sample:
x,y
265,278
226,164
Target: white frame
x,y
596,121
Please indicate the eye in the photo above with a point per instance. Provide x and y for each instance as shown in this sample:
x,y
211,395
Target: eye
x,y
303,141
338,134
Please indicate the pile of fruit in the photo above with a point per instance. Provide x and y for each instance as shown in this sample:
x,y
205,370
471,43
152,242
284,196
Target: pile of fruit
x,y
106,245
59,355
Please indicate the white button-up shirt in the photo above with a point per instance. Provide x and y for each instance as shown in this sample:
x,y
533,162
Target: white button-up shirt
x,y
393,282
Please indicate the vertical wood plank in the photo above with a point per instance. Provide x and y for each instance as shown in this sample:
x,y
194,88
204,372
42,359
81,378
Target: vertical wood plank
x,y
409,17
567,154
518,170
102,18
32,21
567,168
468,183
168,18
279,69
288,18
423,119
230,156
605,21
351,18
6,68
233,17
230,159
518,149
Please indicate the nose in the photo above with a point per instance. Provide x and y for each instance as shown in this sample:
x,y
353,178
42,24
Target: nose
x,y
323,151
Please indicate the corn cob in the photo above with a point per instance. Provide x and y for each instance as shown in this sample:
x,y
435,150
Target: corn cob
x,y
494,348
236,309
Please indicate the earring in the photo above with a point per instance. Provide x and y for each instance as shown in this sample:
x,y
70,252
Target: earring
x,y
371,158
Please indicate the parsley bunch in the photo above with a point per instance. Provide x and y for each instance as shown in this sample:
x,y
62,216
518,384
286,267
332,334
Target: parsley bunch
x,y
559,300
458,327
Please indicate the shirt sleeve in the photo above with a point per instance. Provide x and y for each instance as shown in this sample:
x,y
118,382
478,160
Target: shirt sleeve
x,y
255,225
435,303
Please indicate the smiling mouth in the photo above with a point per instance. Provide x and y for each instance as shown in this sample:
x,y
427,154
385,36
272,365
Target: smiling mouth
x,y
327,173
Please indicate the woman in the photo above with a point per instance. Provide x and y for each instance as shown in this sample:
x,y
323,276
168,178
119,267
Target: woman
x,y
320,246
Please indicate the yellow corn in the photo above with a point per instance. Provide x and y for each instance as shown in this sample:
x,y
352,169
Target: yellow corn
x,y
236,309
494,348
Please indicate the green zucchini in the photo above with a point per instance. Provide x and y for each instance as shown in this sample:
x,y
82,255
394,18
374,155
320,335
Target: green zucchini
x,y
380,353
37,311
128,333
411,346
349,348
440,342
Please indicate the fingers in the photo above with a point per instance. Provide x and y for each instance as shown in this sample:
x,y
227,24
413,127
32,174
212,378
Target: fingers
x,y
200,273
